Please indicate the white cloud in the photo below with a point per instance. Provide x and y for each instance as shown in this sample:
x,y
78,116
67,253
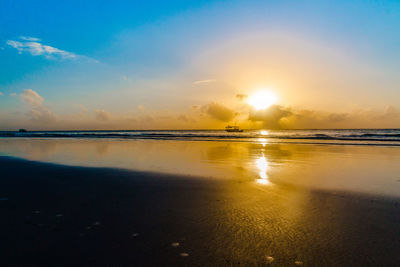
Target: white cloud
x,y
31,97
33,46
205,81
37,111
13,94
42,115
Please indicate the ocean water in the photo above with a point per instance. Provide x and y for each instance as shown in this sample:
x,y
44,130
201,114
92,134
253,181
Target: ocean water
x,y
348,136
365,161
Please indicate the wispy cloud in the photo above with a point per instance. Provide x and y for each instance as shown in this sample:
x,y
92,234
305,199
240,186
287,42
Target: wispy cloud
x,y
185,118
28,38
102,115
205,81
35,47
1,93
241,96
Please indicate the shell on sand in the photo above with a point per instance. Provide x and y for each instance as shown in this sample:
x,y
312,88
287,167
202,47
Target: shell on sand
x,y
269,259
175,244
184,254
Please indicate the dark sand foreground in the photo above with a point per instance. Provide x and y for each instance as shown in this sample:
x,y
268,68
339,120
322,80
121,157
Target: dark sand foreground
x,y
73,216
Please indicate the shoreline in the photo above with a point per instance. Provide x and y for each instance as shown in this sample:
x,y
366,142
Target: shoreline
x,y
380,143
63,215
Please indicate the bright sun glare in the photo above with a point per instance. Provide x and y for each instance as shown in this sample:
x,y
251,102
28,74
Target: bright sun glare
x,y
262,99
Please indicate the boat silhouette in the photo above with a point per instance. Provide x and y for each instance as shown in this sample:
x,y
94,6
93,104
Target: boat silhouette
x,y
233,129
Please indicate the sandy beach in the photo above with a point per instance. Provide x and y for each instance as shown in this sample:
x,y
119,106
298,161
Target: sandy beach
x,y
62,215
200,133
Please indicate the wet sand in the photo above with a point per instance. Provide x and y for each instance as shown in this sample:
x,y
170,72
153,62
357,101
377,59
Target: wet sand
x,y
78,216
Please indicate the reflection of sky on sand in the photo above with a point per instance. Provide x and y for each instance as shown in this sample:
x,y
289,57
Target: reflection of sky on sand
x,y
350,168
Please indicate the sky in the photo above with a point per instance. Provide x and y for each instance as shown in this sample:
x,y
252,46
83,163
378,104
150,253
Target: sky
x,y
194,64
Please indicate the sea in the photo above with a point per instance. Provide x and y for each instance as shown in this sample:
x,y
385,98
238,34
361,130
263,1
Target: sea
x,y
386,137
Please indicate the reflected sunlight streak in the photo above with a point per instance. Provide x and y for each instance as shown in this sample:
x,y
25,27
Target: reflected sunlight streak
x,y
262,141
262,165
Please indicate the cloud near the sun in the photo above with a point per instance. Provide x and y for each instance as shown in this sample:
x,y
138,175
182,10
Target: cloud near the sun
x,y
219,112
271,117
36,114
279,117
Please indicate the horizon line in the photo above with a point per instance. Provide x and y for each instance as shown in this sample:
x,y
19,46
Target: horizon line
x,y
215,129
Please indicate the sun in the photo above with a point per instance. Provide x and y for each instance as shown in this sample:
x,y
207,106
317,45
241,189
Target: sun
x,y
262,99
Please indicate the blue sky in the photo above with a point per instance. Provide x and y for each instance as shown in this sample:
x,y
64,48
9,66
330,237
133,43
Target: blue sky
x,y
137,64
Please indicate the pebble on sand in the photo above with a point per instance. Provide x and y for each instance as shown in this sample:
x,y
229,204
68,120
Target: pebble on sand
x,y
96,223
135,234
298,263
269,259
184,254
175,244
59,215
37,212
88,227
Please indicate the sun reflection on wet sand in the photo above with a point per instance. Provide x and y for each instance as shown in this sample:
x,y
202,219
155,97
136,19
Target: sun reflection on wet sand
x,y
311,166
262,165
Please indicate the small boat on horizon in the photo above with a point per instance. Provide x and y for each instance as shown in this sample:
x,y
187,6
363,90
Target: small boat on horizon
x,y
233,129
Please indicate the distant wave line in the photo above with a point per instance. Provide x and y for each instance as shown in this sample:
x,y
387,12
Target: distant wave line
x,y
389,135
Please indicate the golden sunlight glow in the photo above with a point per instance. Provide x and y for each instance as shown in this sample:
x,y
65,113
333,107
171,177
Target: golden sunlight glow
x,y
262,99
264,132
262,165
